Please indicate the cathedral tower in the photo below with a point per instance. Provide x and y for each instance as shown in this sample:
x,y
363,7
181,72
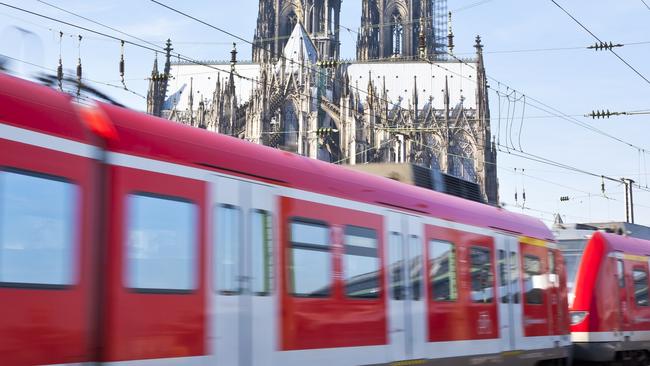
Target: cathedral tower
x,y
401,29
277,19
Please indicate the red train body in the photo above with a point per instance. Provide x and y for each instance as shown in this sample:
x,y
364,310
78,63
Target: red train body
x,y
127,239
610,309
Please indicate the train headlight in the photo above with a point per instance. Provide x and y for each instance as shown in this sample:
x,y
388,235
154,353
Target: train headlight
x,y
578,317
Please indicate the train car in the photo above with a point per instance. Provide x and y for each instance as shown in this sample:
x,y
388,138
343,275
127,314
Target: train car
x,y
126,239
610,313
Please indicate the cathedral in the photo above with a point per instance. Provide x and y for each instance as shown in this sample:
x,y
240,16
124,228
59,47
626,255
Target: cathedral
x,y
404,99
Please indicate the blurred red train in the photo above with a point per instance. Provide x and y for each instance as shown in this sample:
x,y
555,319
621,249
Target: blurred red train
x,y
608,284
129,240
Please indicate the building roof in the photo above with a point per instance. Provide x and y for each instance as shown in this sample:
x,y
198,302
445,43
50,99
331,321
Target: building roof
x,y
299,50
431,80
204,81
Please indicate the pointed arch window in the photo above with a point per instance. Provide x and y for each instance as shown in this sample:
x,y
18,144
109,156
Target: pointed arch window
x,y
397,32
462,158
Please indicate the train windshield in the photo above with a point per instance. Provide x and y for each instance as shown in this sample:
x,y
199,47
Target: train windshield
x,y
572,251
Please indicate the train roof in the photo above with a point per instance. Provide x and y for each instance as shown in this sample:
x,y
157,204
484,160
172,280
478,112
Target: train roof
x,y
147,136
39,108
623,243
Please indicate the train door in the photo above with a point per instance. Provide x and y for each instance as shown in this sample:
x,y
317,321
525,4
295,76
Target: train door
x,y
556,317
406,305
623,303
508,298
242,273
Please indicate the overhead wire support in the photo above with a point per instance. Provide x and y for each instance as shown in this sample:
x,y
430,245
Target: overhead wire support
x,y
79,68
599,40
59,68
122,66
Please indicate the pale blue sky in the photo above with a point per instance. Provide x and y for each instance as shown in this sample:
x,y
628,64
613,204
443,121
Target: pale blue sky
x,y
573,81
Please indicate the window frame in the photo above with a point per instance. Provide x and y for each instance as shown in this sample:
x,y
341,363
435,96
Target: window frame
x,y
491,273
270,266
195,268
416,284
504,277
359,252
454,253
647,286
292,245
396,241
531,274
620,272
75,245
215,243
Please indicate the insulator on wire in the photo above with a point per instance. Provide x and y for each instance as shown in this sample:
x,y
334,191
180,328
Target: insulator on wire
x,y
59,74
79,69
59,69
122,64
600,46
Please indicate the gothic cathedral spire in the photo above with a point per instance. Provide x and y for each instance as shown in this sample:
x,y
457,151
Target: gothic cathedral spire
x,y
277,18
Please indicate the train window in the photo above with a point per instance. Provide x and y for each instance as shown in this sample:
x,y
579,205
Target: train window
x,y
533,280
640,287
262,252
38,217
361,263
161,248
620,273
514,277
551,262
552,276
442,258
311,262
503,276
396,266
482,276
226,250
415,267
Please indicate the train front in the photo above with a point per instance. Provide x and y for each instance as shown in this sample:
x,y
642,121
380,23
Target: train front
x,y
605,293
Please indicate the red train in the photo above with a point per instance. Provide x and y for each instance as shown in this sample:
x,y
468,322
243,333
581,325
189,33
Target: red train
x,y
129,240
610,312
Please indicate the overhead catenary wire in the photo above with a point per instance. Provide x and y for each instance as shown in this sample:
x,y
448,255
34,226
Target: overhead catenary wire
x,y
599,40
85,78
646,4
